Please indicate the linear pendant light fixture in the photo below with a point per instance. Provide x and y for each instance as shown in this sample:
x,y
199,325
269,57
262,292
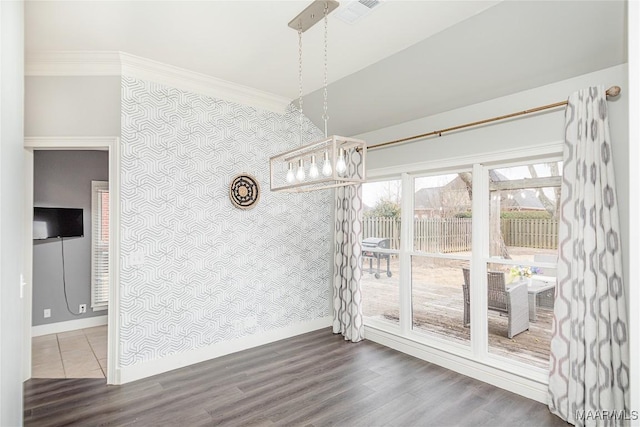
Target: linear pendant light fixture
x,y
334,161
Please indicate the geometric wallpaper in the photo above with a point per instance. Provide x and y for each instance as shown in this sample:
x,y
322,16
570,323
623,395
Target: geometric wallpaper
x,y
212,272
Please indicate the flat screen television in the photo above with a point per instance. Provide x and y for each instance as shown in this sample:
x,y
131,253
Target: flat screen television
x,y
57,222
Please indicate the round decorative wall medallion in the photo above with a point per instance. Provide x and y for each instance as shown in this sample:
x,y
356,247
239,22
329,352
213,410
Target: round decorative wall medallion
x,y
244,191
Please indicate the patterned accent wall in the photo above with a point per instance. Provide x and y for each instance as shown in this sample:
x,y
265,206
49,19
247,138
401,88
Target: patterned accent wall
x,y
211,272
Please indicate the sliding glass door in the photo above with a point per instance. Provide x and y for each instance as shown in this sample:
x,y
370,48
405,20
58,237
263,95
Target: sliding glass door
x,y
465,260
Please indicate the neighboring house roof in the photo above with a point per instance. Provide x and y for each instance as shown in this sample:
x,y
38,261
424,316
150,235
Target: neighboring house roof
x,y
453,195
522,199
434,198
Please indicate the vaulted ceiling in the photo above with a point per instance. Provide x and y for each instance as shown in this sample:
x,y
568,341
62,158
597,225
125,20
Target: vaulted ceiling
x,y
406,59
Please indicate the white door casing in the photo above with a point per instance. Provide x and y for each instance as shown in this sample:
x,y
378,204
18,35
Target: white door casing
x,y
111,144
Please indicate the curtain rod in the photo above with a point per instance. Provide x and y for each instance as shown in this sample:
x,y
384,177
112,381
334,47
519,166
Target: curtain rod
x,y
613,91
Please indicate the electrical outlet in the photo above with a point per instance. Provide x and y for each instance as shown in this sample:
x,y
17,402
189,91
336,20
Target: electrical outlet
x,y
83,308
47,312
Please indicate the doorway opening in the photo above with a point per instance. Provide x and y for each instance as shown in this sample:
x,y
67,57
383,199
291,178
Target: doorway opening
x,y
71,255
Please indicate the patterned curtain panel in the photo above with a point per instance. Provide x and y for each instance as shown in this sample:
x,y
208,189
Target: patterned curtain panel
x,y
589,364
347,294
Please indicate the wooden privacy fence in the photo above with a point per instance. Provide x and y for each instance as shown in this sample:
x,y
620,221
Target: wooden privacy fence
x,y
388,228
530,233
445,235
442,235
431,234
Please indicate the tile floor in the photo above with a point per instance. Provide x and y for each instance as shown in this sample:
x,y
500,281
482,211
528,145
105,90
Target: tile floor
x,y
73,354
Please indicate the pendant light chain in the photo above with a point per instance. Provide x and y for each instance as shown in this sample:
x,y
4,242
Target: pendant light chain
x,y
325,116
300,81
325,163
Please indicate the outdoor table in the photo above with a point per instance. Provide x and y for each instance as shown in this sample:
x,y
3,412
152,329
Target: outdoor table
x,y
541,293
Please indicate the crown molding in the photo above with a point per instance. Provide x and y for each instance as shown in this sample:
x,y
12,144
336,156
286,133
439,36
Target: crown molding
x,y
87,63
66,63
192,81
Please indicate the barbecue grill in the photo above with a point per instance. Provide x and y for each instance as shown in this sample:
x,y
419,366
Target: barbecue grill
x,y
369,247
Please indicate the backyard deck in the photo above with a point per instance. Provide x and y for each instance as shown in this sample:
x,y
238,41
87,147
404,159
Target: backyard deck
x,y
438,308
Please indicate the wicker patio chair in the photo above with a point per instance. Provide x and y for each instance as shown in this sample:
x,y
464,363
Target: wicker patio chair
x,y
512,301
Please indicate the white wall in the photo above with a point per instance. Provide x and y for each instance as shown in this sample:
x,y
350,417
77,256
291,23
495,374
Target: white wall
x,y
525,131
253,276
11,190
72,106
212,274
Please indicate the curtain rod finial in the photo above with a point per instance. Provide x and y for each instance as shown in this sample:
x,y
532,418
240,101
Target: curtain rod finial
x,y
613,91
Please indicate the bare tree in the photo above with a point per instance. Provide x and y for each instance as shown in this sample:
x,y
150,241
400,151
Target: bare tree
x,y
495,234
549,206
392,192
468,180
496,239
554,169
453,199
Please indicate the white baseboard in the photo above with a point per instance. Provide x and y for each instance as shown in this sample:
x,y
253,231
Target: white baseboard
x,y
71,325
180,360
508,381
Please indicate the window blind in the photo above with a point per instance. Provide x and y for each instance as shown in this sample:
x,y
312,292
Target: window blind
x,y
99,245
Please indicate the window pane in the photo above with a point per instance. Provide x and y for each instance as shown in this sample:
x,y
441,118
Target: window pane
x,y
520,314
104,213
381,232
382,201
381,286
442,214
525,204
524,218
438,297
100,244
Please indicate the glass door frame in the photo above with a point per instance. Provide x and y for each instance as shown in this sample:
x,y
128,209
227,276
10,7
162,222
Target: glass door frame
x,y
478,351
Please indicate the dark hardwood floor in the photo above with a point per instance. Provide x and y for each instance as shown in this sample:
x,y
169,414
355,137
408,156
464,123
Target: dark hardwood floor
x,y
313,379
